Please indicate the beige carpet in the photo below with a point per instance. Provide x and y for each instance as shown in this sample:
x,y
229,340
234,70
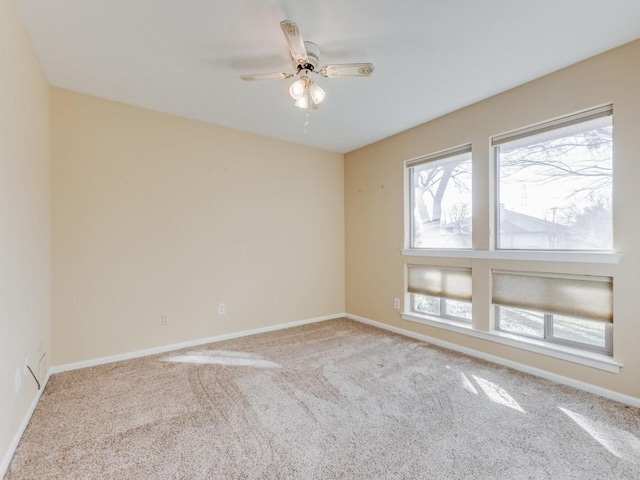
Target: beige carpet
x,y
331,400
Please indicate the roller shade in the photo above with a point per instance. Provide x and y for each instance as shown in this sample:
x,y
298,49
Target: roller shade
x,y
442,282
574,119
579,296
445,154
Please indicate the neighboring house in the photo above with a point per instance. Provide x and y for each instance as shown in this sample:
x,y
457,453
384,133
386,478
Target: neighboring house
x,y
521,232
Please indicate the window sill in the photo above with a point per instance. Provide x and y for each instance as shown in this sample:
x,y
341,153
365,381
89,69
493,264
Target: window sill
x,y
589,359
537,256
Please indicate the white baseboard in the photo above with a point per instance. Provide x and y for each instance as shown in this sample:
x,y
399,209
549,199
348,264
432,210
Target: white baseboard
x,y
190,343
23,426
587,387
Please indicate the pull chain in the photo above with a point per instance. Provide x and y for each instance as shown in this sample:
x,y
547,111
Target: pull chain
x,y
306,121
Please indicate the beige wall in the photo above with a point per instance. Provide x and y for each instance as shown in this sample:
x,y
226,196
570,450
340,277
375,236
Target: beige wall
x,y
374,207
25,220
155,214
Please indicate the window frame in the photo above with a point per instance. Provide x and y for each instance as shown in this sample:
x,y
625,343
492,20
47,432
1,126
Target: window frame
x,y
437,158
485,247
549,337
442,307
518,134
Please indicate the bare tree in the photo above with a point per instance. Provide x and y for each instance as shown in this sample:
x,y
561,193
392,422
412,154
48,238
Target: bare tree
x,y
581,159
433,183
589,153
581,164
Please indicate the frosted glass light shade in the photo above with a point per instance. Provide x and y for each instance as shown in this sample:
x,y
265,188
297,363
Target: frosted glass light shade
x,y
302,102
298,88
316,93
306,93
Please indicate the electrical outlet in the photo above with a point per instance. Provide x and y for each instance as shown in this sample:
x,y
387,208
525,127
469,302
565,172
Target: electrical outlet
x,y
164,319
222,309
396,303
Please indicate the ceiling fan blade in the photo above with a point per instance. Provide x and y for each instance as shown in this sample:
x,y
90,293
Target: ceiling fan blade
x,y
347,70
294,39
266,76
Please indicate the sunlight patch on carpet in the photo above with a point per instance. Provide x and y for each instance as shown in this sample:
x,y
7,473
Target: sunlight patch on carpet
x,y
467,385
620,443
497,394
222,357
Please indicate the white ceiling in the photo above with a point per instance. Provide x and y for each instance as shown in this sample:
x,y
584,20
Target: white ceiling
x,y
431,56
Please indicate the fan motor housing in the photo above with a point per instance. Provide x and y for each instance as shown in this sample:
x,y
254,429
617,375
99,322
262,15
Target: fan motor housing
x,y
313,57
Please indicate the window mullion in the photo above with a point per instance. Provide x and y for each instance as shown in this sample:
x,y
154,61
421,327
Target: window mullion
x,y
548,326
608,338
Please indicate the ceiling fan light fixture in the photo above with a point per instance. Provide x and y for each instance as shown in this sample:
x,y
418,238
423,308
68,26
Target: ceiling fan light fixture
x,y
306,93
306,57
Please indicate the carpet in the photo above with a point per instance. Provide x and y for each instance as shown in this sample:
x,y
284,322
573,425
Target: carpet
x,y
331,400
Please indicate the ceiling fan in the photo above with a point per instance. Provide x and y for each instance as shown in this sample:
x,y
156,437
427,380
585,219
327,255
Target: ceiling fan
x,y
305,56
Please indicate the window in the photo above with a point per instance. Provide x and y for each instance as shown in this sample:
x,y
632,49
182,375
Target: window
x,y
440,199
440,292
551,192
441,307
572,310
573,332
555,184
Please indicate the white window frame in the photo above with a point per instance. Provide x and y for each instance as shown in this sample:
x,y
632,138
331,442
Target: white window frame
x,y
440,156
442,304
588,262
548,335
521,133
